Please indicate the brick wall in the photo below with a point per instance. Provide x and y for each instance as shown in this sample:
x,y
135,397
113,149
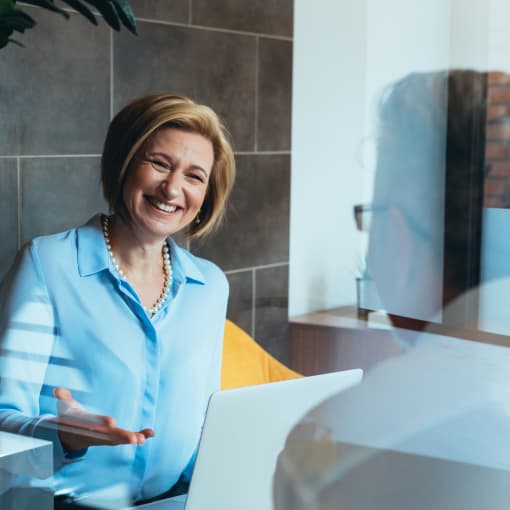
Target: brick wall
x,y
497,149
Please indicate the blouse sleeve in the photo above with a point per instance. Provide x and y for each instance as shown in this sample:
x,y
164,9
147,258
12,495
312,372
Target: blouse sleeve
x,y
27,335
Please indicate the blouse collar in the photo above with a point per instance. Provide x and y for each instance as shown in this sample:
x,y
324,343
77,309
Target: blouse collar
x,y
93,256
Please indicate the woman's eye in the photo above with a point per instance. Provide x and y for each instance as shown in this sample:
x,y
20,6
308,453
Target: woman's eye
x,y
197,177
159,165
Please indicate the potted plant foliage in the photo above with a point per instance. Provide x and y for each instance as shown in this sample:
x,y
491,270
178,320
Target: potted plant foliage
x,y
116,13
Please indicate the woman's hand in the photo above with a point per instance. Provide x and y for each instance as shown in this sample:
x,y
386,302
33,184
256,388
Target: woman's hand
x,y
78,429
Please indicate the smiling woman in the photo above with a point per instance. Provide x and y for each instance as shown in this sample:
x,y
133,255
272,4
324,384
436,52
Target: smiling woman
x,y
133,128
167,182
118,302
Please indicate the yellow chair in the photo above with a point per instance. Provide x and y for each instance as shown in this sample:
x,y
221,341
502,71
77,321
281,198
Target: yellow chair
x,y
246,363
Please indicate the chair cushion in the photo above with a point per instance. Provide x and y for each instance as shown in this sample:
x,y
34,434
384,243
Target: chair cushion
x,y
246,363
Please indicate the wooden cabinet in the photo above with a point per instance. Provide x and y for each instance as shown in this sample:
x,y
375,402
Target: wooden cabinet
x,y
338,340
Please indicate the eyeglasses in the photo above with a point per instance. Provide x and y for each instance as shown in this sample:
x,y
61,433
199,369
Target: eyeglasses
x,y
363,216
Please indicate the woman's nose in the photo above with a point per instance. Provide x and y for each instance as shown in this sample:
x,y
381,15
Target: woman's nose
x,y
170,188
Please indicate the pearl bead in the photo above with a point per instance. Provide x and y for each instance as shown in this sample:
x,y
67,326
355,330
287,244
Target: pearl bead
x,y
167,269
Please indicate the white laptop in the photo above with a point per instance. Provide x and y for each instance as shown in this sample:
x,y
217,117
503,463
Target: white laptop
x,y
244,431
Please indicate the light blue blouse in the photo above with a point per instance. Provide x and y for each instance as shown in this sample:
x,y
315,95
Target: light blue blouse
x,y
66,319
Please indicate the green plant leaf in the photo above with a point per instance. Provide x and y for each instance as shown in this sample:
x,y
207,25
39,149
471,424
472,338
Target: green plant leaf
x,y
6,6
126,15
48,5
82,9
107,11
114,12
12,19
5,34
16,20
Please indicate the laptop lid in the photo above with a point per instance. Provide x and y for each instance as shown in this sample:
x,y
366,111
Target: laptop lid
x,y
176,503
244,430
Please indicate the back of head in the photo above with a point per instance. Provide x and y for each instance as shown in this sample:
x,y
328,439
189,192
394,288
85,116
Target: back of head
x,y
429,125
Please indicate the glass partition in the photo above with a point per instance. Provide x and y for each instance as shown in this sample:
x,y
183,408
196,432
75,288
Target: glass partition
x,y
425,187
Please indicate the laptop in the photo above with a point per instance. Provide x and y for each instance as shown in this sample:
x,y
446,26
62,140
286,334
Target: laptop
x,y
244,431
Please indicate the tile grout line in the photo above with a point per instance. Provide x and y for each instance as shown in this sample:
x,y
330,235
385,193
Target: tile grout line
x,y
32,156
215,29
253,301
188,25
190,10
252,268
262,153
111,74
256,116
18,211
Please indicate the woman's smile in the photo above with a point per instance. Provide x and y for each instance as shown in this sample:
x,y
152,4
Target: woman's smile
x,y
162,206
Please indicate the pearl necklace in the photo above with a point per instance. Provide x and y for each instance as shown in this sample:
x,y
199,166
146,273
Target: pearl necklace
x,y
167,269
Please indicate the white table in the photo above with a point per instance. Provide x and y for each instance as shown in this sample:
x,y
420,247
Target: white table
x,y
24,460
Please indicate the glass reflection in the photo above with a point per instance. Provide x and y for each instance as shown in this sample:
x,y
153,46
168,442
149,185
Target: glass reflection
x,y
426,429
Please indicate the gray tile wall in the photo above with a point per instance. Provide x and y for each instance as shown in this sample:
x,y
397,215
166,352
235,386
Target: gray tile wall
x,y
8,211
60,91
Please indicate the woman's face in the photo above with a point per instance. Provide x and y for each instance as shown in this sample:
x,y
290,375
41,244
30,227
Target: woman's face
x,y
167,182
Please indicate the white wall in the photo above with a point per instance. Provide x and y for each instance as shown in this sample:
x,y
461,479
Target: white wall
x,y
403,36
469,30
499,35
345,51
327,129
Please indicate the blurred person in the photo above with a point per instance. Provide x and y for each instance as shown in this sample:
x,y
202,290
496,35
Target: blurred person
x,y
426,429
111,333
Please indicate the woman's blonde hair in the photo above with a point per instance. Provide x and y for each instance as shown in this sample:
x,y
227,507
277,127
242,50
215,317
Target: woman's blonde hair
x,y
141,119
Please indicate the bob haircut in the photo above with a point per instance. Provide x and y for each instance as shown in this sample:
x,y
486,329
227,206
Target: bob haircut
x,y
132,127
